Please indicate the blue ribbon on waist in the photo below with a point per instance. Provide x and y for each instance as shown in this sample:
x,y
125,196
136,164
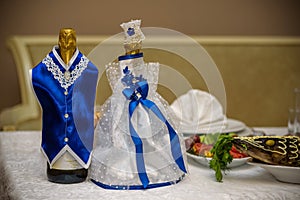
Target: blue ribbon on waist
x,y
138,94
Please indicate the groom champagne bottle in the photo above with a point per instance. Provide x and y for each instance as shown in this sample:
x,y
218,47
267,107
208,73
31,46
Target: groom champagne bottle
x,y
66,169
65,85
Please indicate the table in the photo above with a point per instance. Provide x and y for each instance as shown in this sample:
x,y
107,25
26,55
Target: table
x,y
23,176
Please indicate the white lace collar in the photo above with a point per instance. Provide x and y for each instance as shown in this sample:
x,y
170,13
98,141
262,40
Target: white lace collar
x,y
68,78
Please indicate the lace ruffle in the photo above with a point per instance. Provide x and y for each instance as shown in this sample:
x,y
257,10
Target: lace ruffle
x,y
68,79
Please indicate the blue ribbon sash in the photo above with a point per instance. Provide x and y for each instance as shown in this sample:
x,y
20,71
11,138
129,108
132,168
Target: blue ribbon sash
x,y
138,94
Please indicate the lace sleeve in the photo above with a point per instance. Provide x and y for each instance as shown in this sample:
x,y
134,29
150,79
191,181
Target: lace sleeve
x,y
152,70
113,74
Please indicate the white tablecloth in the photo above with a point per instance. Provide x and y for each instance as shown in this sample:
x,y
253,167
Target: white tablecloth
x,y
23,176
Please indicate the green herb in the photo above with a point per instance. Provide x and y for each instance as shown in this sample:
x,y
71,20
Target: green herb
x,y
221,156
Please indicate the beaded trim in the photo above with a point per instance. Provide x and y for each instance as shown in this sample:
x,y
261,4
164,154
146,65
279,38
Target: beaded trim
x,y
64,81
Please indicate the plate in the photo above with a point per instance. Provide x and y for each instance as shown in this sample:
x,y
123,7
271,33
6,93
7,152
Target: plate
x,y
281,173
236,162
231,126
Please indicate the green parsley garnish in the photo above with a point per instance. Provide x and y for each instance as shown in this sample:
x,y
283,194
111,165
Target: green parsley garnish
x,y
221,156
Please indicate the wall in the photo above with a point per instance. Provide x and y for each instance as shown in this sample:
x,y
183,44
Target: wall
x,y
194,17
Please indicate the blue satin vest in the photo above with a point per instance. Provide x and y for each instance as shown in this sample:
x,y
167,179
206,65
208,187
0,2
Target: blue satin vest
x,y
68,106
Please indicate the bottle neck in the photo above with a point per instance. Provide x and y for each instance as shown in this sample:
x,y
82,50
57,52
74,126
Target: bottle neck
x,y
131,61
133,52
67,55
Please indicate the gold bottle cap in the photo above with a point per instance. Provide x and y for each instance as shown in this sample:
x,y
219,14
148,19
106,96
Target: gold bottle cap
x,y
67,43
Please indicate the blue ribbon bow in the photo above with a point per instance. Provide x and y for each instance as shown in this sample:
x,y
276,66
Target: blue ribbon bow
x,y
138,94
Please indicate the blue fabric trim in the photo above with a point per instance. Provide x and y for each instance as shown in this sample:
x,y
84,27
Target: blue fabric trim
x,y
174,139
136,187
127,57
138,147
131,93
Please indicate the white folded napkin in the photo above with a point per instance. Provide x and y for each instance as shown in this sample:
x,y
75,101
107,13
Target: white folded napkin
x,y
199,111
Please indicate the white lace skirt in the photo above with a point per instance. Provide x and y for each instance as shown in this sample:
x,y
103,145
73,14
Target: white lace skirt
x,y
114,162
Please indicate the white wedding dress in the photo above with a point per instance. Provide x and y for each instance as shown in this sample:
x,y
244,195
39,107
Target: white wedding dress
x,y
136,146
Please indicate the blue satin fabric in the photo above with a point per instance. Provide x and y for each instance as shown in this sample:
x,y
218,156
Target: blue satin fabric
x,y
135,187
84,91
55,104
137,95
130,56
